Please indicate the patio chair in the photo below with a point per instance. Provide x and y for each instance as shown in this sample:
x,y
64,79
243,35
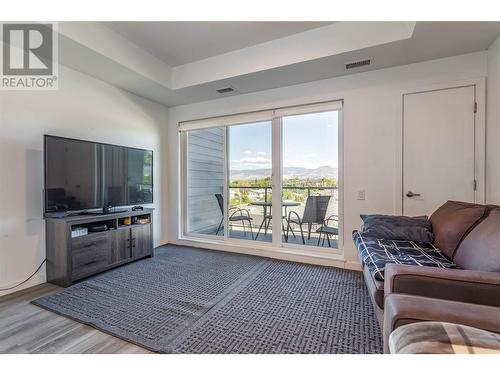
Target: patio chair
x,y
327,230
239,214
314,213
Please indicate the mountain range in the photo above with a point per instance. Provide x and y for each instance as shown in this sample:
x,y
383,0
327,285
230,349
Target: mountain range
x,y
288,172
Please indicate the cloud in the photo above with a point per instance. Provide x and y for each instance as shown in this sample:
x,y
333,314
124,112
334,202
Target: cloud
x,y
310,164
333,163
247,152
256,162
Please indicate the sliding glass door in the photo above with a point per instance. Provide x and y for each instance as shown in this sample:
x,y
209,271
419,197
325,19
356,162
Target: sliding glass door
x,y
232,166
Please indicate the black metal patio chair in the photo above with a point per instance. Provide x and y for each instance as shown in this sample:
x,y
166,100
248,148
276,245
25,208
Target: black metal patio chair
x,y
314,213
327,230
239,214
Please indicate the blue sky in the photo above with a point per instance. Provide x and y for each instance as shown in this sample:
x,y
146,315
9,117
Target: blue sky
x,y
309,141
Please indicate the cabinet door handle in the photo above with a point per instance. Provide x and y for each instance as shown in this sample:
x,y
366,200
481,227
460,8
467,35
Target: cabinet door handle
x,y
89,245
89,263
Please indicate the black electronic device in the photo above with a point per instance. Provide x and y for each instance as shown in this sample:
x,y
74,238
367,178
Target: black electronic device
x,y
83,175
97,228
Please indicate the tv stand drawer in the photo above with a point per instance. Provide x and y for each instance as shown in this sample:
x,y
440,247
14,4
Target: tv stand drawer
x,y
90,254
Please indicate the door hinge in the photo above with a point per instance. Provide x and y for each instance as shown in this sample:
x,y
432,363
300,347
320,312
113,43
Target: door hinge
x,y
474,184
475,107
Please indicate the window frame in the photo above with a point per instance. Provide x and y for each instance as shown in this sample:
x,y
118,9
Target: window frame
x,y
275,117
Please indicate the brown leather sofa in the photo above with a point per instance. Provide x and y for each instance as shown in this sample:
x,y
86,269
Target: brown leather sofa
x,y
415,294
469,234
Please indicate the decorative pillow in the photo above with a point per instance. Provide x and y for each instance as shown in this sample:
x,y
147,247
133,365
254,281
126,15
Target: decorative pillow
x,y
390,227
452,221
480,249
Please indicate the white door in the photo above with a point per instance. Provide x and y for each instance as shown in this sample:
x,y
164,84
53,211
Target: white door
x,y
438,149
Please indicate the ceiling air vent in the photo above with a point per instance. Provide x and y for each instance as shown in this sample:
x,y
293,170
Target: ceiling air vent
x,y
358,64
225,90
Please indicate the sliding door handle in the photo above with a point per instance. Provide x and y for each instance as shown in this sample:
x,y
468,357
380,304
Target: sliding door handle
x,y
412,194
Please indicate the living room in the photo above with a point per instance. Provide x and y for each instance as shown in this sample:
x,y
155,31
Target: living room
x,y
143,160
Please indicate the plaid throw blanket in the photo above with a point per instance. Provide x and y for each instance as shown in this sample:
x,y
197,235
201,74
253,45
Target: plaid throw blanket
x,y
376,253
442,338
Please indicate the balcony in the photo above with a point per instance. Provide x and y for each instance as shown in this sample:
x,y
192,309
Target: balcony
x,y
251,200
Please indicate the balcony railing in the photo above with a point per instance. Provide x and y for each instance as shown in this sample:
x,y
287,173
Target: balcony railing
x,y
267,188
258,214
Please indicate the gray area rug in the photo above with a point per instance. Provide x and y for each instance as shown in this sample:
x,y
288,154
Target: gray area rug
x,y
186,300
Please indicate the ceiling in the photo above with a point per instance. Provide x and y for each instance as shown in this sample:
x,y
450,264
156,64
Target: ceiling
x,y
178,43
176,63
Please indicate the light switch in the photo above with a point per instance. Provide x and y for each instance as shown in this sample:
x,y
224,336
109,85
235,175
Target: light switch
x,y
361,195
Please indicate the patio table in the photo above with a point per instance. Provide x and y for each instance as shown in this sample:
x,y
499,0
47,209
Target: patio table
x,y
267,218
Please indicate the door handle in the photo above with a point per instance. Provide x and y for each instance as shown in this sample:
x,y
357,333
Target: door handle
x,y
412,194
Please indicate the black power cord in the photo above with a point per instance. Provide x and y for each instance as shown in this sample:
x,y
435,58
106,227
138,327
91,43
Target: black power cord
x,y
28,279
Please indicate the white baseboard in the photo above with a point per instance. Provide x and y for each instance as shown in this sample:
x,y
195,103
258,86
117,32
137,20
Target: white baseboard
x,y
161,243
353,265
35,280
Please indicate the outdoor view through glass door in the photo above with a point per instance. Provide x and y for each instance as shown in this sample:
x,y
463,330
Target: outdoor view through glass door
x,y
310,179
229,172
249,181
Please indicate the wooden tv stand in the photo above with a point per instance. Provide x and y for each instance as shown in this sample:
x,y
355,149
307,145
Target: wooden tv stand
x,y
73,258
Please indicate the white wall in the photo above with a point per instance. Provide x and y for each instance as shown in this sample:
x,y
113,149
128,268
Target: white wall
x,y
83,107
372,117
493,125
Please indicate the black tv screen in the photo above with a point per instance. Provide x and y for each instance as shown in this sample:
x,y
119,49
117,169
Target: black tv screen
x,y
82,175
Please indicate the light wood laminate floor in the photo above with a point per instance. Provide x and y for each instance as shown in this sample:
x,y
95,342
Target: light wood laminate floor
x,y
26,328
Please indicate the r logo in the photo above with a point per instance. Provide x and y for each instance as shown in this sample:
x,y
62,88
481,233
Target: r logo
x,y
27,49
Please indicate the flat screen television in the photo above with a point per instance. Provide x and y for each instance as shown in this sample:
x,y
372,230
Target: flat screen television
x,y
84,175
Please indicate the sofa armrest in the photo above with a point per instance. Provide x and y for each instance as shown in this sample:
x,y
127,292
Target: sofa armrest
x,y
401,309
450,284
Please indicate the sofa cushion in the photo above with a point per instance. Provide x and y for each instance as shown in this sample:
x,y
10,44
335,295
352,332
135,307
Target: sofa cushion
x,y
376,253
375,287
391,227
480,249
451,222
442,338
